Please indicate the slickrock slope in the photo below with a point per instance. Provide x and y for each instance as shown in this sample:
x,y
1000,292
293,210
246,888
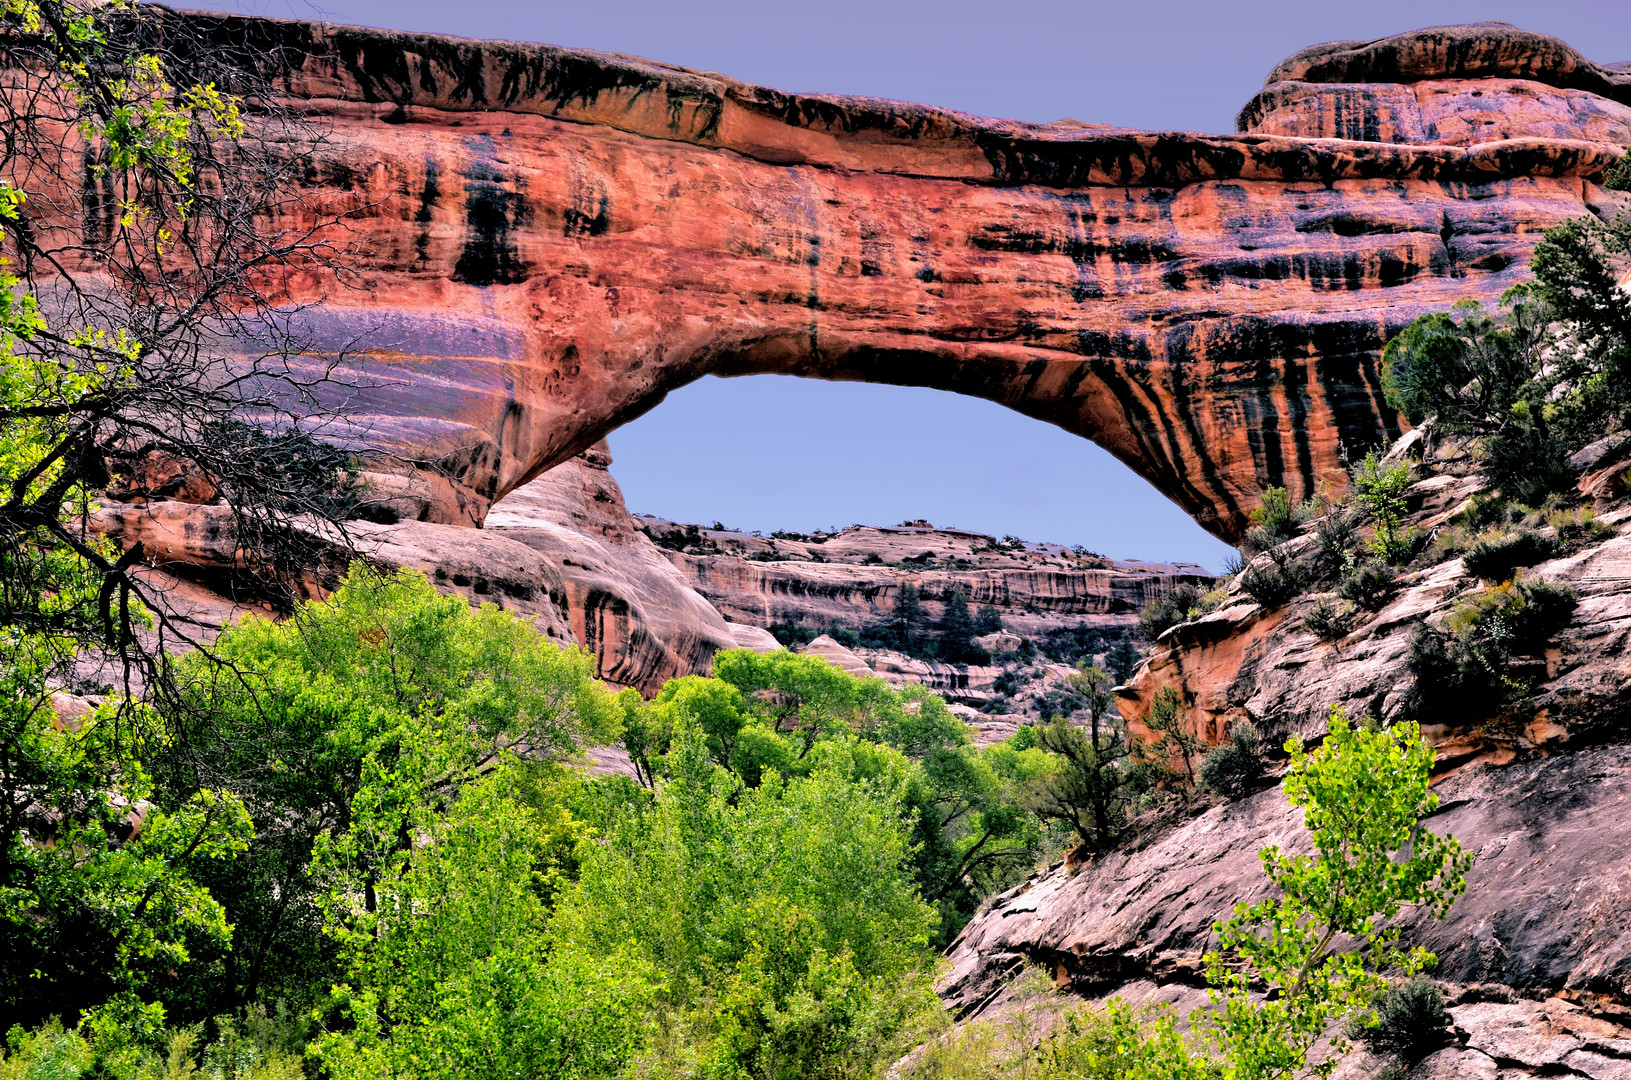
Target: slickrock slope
x,y
1244,663
624,602
1537,954
549,241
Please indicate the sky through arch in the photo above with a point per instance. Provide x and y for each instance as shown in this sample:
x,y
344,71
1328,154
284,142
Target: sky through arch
x,y
1176,65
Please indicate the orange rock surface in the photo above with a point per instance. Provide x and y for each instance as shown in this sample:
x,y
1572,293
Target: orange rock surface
x,y
547,242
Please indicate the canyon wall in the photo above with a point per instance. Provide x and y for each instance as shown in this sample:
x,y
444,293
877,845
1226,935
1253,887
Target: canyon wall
x,y
545,242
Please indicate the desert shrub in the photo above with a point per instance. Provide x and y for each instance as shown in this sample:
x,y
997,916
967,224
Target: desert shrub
x,y
1495,556
1336,540
1183,603
1234,768
1527,463
1327,620
1471,666
1370,585
1618,177
1277,519
793,635
1274,580
1409,1020
1578,524
1519,616
988,620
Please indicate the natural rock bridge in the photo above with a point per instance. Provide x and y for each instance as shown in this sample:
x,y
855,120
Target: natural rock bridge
x,y
551,241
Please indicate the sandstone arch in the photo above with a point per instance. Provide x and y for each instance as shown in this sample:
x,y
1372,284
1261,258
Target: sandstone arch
x,y
550,241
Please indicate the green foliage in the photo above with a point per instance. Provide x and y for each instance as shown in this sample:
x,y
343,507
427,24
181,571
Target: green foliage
x,y
1528,463
348,717
1369,585
1321,950
780,919
1380,491
1545,375
1495,556
1466,369
1618,176
1234,769
1473,666
1122,659
450,968
1275,578
97,902
988,620
1091,782
1409,1020
1336,543
1363,794
957,632
1175,740
1278,518
1183,603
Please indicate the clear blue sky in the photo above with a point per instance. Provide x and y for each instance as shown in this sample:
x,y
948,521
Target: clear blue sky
x,y
772,452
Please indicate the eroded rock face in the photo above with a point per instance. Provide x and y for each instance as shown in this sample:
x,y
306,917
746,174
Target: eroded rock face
x,y
1245,663
550,241
1539,942
852,579
624,602
562,551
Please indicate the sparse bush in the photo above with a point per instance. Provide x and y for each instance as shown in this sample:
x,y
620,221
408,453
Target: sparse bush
x,y
1234,769
1578,524
1183,603
1495,556
1275,581
1380,491
988,620
1370,586
1328,621
1518,616
793,635
1409,1021
1336,541
1618,177
1471,666
1277,518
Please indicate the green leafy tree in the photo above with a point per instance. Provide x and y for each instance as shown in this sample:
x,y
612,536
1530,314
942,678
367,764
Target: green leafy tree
x,y
119,287
1168,720
450,966
1467,369
1322,948
781,920
957,631
1092,781
909,618
1122,659
342,722
988,620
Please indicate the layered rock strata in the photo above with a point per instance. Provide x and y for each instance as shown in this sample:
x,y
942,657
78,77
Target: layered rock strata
x,y
852,579
563,551
546,242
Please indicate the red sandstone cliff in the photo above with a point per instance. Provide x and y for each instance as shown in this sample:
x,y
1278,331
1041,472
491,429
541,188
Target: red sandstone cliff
x,y
549,241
